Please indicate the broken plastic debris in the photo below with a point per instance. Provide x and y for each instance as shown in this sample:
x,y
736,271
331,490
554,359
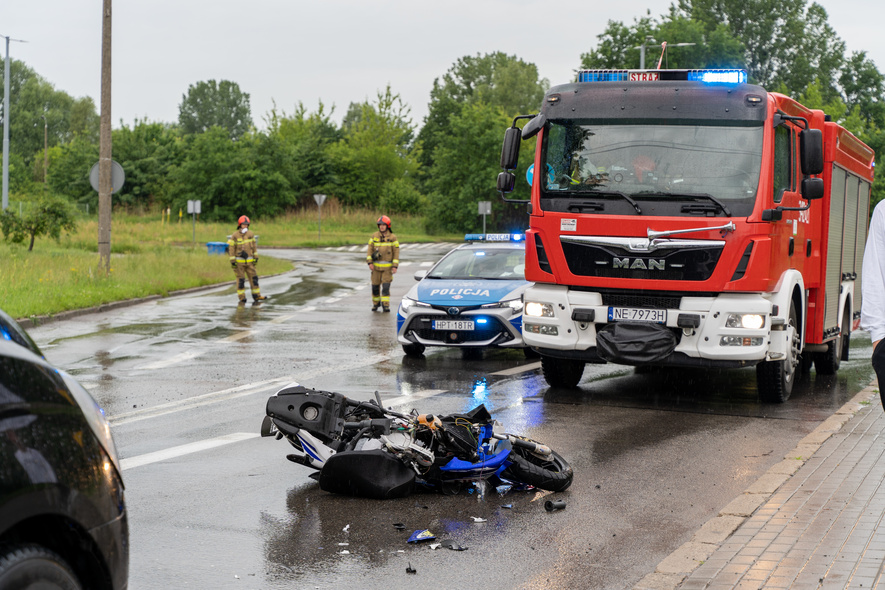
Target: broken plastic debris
x,y
410,570
344,552
478,519
419,536
346,529
435,545
503,489
343,544
508,506
449,544
399,526
550,506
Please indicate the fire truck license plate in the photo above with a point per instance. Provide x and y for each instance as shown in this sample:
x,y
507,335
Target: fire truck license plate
x,y
637,315
452,325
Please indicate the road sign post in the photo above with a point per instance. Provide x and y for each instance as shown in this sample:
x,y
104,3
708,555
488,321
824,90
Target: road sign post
x,y
193,207
320,199
485,208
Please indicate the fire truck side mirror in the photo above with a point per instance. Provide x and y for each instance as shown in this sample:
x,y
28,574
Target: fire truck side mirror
x,y
812,188
811,150
506,182
510,151
532,128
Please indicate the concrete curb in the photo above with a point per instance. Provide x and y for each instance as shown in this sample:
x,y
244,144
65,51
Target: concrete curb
x,y
677,566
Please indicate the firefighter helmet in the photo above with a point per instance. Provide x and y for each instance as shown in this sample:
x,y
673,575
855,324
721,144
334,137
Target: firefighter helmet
x,y
243,219
385,220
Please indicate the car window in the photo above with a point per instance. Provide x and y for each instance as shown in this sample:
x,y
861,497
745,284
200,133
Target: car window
x,y
488,263
10,330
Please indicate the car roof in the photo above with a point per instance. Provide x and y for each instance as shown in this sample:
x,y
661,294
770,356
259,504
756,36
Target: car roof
x,y
492,246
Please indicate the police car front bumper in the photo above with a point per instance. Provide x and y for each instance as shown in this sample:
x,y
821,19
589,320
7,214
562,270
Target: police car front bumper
x,y
481,327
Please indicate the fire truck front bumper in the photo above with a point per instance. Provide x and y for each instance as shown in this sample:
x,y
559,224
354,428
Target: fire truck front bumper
x,y
725,331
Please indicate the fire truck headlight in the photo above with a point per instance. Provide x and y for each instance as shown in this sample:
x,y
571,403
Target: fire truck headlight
x,y
750,321
538,310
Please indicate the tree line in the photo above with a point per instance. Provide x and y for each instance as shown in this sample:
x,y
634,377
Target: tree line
x,y
377,157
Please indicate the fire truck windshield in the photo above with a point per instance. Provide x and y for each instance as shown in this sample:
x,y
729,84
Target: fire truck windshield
x,y
713,167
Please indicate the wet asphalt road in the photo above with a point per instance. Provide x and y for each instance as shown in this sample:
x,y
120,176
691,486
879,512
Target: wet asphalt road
x,y
212,505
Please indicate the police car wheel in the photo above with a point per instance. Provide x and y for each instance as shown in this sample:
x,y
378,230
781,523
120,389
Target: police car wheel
x,y
413,349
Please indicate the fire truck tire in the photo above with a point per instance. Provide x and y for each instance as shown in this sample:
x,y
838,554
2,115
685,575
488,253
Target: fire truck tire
x,y
827,363
562,372
775,379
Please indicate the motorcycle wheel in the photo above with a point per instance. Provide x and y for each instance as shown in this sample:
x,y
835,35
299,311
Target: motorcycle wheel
x,y
551,473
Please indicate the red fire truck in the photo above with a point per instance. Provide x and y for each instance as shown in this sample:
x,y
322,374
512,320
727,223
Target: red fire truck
x,y
688,218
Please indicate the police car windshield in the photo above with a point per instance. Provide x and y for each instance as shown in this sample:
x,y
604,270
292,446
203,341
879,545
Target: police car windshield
x,y
487,263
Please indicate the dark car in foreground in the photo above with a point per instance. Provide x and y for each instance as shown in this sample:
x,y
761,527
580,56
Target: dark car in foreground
x,y
63,520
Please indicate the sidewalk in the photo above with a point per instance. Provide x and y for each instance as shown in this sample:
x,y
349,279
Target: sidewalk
x,y
812,521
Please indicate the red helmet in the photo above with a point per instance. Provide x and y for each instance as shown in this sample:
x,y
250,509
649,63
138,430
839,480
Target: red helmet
x,y
243,219
385,220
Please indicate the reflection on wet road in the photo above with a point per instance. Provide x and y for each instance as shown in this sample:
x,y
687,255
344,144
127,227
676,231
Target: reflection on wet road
x,y
185,381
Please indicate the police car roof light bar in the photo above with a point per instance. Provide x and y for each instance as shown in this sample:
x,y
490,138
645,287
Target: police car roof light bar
x,y
494,237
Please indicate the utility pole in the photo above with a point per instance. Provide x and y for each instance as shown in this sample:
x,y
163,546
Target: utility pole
x,y
6,123
104,149
45,150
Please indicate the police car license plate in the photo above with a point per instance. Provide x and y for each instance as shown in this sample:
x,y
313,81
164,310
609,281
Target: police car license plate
x,y
452,324
636,314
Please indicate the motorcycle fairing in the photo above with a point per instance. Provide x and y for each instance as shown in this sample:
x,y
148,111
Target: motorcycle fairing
x,y
486,462
369,474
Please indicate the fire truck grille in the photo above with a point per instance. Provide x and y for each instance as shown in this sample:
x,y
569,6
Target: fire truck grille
x,y
590,260
422,325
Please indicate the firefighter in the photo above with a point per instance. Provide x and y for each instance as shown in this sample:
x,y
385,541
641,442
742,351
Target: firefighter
x,y
243,252
383,260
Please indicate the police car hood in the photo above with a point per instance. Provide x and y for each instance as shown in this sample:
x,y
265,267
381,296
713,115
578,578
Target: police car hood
x,y
462,292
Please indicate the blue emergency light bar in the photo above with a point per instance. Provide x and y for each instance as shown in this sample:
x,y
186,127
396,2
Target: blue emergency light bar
x,y
494,237
706,76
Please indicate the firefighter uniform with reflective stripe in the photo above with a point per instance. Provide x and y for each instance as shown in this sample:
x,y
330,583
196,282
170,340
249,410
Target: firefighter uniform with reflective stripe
x,y
383,255
243,252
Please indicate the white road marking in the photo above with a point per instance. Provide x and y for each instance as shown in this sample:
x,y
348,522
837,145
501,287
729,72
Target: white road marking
x,y
427,264
195,447
360,288
332,300
179,358
404,399
238,335
240,391
519,369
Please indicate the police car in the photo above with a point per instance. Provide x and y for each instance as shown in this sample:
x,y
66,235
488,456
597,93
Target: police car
x,y
471,298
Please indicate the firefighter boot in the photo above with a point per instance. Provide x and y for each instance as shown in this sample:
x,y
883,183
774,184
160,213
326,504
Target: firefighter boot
x,y
376,297
385,296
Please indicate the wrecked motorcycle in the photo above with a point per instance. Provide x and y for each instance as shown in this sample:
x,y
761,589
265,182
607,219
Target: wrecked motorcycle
x,y
364,449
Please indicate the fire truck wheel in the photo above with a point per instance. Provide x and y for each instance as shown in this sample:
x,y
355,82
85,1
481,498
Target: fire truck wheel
x,y
562,372
774,379
827,363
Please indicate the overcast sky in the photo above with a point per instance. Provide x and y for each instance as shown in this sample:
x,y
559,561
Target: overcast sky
x,y
337,51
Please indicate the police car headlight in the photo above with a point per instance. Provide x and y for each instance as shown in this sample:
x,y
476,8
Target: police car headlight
x,y
407,303
515,305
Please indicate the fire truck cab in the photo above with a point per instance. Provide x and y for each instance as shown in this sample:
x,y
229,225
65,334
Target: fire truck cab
x,y
688,218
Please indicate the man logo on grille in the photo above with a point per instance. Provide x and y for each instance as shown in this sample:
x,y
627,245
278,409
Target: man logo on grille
x,y
638,263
